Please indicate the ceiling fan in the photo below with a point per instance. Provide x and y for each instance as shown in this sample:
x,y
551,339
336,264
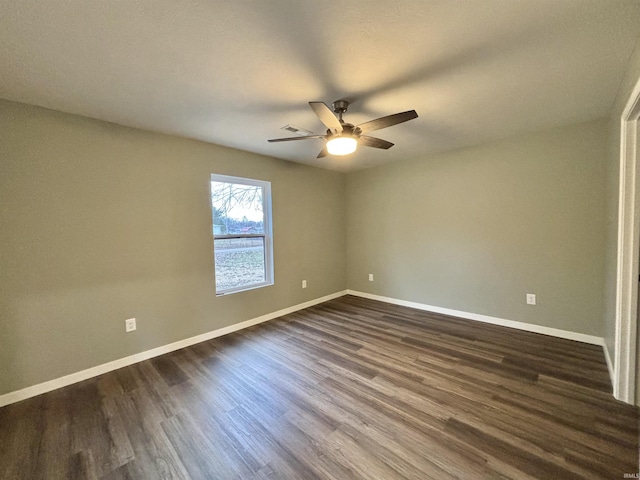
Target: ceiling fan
x,y
343,138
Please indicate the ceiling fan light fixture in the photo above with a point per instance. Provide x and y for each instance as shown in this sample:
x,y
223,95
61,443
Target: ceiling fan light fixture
x,y
342,145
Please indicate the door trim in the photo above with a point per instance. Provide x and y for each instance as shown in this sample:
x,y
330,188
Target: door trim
x,y
628,253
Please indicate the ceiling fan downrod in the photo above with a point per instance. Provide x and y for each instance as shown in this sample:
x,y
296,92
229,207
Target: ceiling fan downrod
x,y
340,107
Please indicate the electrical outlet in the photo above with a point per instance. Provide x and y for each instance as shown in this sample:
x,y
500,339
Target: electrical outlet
x,y
531,298
129,325
304,284
371,277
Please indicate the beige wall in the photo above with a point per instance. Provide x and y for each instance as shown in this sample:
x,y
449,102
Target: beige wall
x,y
476,229
100,223
613,191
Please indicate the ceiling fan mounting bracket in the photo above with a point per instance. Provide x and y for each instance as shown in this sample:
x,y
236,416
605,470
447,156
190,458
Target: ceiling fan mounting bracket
x,y
340,106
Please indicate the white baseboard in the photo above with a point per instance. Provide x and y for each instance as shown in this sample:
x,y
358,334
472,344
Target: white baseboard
x,y
609,362
34,390
528,327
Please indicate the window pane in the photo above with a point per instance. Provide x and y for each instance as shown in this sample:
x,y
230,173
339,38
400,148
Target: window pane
x,y
241,207
237,208
239,262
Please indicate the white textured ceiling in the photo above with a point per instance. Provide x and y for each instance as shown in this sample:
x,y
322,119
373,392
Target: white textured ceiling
x,y
234,72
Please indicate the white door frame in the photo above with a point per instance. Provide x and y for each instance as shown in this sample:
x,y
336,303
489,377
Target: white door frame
x,y
628,253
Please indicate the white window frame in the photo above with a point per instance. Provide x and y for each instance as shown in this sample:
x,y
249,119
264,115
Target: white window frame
x,y
267,235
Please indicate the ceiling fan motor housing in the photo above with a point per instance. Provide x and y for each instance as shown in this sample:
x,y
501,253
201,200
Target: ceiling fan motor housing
x,y
348,130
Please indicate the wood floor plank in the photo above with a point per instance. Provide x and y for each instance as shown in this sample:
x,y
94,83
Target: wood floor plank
x,y
351,389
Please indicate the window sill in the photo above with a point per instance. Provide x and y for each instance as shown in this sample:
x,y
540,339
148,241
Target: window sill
x,y
243,289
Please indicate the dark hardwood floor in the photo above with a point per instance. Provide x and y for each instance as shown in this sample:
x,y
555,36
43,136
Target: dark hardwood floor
x,y
349,389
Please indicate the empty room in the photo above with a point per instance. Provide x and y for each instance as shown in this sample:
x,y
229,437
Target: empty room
x,y
311,240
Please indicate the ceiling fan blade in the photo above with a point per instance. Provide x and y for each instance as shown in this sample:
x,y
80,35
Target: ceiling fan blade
x,y
323,153
326,116
289,139
388,121
374,142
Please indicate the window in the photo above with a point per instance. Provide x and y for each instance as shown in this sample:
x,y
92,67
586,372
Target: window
x,y
242,246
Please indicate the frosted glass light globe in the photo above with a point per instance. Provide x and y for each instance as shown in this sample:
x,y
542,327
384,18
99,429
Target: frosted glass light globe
x,y
342,145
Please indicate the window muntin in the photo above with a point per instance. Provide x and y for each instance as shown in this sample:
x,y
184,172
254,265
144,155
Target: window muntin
x,y
243,248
